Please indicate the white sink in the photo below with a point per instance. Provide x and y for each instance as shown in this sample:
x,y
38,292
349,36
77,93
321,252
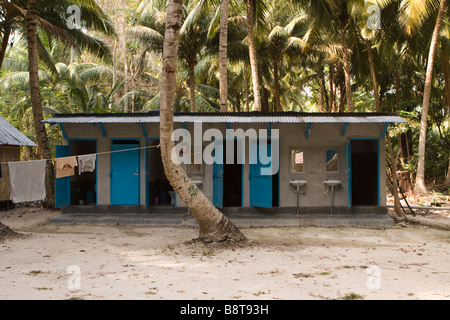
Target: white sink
x,y
332,183
297,183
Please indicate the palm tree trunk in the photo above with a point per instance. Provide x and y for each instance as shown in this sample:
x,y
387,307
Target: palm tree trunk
x,y
393,158
191,67
348,76
252,54
420,176
446,68
341,90
332,89
373,76
214,226
247,101
397,104
223,55
5,40
36,105
276,84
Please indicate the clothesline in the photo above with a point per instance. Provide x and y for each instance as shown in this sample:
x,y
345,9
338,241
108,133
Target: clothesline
x,y
96,153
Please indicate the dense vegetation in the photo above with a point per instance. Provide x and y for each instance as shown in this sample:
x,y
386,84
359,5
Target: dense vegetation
x,y
308,55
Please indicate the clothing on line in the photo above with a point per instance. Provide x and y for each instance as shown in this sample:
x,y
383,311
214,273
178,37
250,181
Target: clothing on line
x,y
27,180
65,166
86,163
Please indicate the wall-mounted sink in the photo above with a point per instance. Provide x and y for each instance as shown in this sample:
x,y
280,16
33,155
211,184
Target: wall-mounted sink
x,y
332,183
297,183
295,186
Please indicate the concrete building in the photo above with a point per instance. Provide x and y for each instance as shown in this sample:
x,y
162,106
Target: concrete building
x,y
326,163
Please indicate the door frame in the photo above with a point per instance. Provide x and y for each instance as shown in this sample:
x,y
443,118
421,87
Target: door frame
x,y
68,178
250,170
96,158
224,145
147,148
139,166
349,169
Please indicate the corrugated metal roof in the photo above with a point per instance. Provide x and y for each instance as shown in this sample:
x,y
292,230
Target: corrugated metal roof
x,y
9,135
236,117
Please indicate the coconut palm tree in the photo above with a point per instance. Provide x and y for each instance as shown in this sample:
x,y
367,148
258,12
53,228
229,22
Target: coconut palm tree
x,y
214,226
56,16
53,18
335,17
420,177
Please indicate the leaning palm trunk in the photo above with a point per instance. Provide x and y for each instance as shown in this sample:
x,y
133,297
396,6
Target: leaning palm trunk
x,y
420,177
36,105
214,226
223,47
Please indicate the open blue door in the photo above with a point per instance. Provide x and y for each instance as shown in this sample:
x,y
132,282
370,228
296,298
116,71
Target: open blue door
x,y
349,174
125,173
261,184
218,175
62,185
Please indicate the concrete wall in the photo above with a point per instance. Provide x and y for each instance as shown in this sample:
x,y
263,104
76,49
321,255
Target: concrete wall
x,y
322,137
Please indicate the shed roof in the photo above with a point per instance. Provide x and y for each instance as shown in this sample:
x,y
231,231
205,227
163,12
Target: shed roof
x,y
229,117
9,135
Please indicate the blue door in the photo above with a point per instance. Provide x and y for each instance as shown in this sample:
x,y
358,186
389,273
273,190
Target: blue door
x,y
62,185
349,174
125,175
218,175
261,183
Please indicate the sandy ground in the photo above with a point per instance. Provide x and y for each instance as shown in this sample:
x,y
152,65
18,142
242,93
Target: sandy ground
x,y
126,262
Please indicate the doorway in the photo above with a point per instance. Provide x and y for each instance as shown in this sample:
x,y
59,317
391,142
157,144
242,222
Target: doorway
x,y
364,172
83,186
227,175
125,173
159,190
264,177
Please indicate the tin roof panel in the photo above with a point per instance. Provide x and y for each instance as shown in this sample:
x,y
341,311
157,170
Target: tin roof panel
x,y
10,135
237,117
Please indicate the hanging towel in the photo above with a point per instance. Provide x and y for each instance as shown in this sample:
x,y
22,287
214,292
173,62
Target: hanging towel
x,y
65,166
27,179
86,163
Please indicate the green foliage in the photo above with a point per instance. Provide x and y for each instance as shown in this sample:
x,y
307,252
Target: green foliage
x,y
92,69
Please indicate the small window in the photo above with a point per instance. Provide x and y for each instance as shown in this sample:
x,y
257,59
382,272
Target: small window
x,y
297,161
332,157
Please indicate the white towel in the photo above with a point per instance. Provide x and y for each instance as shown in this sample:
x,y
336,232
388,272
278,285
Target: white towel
x,y
86,163
27,179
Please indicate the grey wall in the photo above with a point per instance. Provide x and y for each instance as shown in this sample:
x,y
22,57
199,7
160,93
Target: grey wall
x,y
322,137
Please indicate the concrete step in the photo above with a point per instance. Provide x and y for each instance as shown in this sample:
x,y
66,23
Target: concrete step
x,y
241,220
